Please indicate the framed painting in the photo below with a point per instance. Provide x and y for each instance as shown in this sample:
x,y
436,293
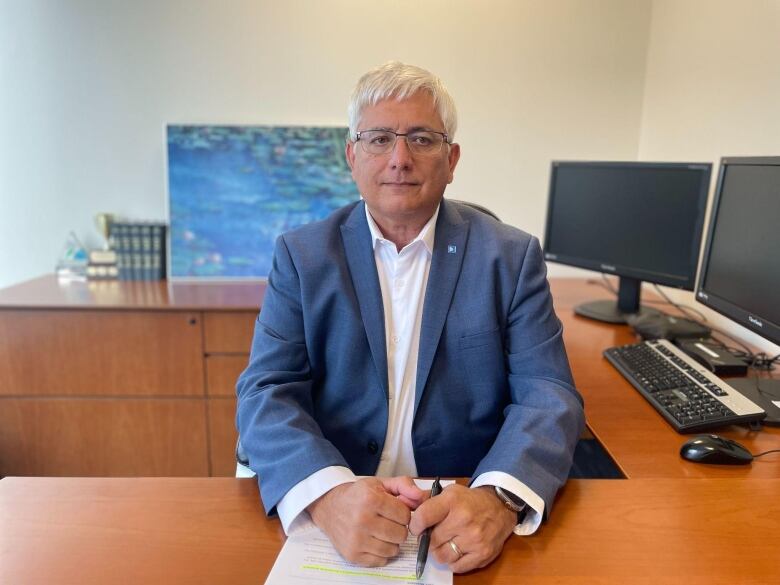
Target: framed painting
x,y
232,190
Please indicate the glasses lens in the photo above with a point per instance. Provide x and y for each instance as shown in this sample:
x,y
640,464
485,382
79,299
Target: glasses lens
x,y
424,142
377,141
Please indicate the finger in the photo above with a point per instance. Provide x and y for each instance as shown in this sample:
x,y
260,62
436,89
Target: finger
x,y
466,563
389,507
429,513
405,488
443,532
411,504
369,560
459,517
445,554
388,531
474,560
379,548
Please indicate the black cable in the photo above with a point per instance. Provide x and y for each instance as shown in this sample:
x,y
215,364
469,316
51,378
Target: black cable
x,y
749,354
684,309
764,362
604,283
757,361
757,455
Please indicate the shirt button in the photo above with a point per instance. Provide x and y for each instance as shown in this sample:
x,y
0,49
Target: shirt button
x,y
396,339
373,447
399,282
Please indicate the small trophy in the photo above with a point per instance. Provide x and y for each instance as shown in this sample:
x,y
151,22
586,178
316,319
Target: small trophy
x,y
102,263
103,222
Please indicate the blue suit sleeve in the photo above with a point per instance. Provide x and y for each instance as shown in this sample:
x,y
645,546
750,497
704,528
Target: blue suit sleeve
x,y
275,413
545,416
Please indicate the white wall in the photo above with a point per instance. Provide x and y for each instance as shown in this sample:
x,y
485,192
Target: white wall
x,y
712,90
87,86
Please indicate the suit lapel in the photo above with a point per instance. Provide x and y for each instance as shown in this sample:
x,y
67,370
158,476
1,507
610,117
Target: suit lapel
x,y
449,247
362,267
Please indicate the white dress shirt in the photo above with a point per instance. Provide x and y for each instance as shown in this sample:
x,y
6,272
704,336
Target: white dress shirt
x,y
403,278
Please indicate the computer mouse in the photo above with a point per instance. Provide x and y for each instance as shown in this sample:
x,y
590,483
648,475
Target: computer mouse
x,y
715,449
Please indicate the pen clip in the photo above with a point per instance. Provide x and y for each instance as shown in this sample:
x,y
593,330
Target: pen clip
x,y
436,487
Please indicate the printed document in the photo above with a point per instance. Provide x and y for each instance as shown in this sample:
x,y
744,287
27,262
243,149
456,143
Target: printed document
x,y
309,557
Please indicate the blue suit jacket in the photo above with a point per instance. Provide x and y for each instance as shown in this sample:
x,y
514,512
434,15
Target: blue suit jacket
x,y
494,388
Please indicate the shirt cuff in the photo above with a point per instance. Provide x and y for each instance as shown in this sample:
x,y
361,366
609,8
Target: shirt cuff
x,y
535,513
292,507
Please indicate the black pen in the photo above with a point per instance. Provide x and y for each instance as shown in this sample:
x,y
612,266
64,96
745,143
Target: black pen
x,y
425,539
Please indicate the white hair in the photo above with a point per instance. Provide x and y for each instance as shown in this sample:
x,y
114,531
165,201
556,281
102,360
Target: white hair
x,y
400,81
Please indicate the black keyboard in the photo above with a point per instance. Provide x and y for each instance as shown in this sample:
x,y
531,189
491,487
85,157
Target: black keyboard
x,y
687,395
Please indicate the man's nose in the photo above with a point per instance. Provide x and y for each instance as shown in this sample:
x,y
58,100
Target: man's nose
x,y
401,156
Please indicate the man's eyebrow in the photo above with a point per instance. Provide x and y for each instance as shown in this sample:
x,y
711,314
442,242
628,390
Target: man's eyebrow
x,y
412,129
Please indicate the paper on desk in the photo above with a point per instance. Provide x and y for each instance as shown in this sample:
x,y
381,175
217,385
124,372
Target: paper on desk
x,y
308,557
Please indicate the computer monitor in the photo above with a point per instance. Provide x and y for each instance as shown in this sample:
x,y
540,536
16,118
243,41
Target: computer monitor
x,y
740,271
641,221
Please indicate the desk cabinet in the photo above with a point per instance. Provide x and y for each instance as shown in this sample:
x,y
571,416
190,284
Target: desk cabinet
x,y
137,379
122,381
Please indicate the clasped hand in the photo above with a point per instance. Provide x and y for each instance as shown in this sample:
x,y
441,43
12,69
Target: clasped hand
x,y
367,521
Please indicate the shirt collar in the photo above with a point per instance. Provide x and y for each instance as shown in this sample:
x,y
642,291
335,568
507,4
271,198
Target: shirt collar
x,y
426,236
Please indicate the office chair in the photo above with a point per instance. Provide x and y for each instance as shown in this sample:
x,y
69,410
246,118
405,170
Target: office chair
x,y
476,206
242,461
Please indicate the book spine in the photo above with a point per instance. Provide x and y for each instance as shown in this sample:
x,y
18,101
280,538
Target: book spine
x,y
123,252
136,252
146,251
158,251
113,244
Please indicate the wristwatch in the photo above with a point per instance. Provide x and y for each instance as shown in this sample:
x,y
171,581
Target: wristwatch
x,y
512,502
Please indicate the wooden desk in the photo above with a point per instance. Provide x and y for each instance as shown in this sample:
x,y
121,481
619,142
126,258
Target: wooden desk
x,y
212,530
641,442
657,527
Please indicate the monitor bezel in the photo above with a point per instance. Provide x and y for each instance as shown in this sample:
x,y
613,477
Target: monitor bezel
x,y
768,330
686,283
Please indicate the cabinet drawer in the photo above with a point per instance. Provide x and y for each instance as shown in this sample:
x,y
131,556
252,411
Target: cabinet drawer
x,y
228,332
222,372
115,437
89,353
223,436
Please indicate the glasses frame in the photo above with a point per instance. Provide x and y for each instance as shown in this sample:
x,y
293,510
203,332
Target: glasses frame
x,y
405,135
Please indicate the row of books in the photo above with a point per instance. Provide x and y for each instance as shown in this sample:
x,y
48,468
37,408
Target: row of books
x,y
139,248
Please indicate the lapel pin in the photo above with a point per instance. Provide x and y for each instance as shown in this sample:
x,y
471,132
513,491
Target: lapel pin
x,y
451,248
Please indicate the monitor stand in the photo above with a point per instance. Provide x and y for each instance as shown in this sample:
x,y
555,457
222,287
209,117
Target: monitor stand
x,y
763,391
627,304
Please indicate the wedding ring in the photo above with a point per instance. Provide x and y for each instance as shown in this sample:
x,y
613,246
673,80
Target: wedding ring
x,y
455,548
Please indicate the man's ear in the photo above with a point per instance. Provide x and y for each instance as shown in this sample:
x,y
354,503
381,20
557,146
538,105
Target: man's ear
x,y
452,159
349,154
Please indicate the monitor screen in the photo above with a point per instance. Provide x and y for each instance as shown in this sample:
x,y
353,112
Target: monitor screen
x,y
641,221
740,274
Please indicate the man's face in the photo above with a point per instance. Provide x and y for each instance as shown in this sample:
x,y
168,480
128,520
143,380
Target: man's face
x,y
399,187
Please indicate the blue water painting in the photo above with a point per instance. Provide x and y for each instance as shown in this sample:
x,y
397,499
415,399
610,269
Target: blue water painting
x,y
233,189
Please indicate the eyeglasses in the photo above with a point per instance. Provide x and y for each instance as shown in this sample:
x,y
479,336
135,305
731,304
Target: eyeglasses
x,y
424,142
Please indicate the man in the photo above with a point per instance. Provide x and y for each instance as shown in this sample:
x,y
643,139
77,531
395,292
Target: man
x,y
406,335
